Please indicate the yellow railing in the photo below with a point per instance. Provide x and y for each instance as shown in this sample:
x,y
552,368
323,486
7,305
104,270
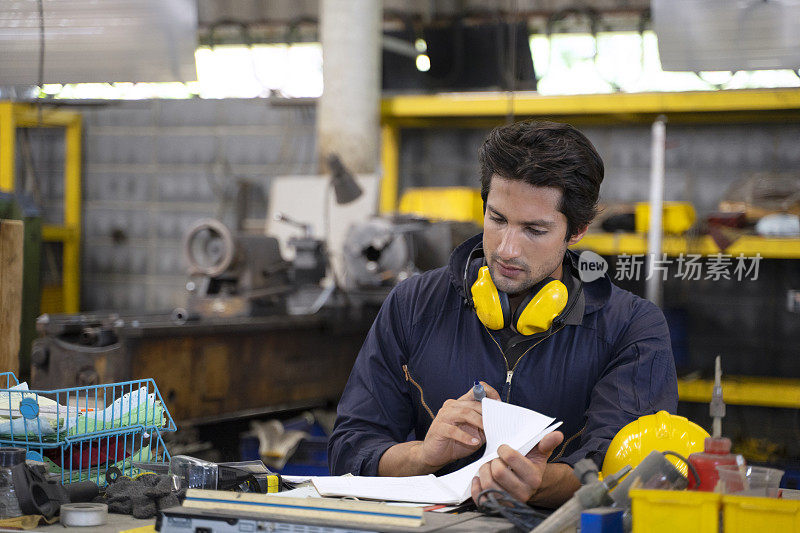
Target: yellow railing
x,y
492,104
744,390
636,243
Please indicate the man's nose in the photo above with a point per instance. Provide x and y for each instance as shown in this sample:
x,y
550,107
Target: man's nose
x,y
509,244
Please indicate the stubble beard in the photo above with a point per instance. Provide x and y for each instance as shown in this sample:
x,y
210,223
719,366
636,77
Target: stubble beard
x,y
513,288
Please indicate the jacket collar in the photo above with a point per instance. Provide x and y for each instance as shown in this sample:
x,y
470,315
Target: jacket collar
x,y
596,293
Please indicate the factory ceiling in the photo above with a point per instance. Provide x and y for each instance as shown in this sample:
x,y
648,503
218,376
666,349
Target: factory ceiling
x,y
237,21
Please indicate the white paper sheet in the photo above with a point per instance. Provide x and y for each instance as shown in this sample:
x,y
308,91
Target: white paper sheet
x,y
503,423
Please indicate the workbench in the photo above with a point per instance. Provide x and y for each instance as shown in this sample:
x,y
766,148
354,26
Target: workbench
x,y
464,523
212,369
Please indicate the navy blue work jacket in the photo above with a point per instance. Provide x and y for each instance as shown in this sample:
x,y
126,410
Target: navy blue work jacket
x,y
600,371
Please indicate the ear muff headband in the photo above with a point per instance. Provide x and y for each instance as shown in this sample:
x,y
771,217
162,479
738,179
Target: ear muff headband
x,y
478,250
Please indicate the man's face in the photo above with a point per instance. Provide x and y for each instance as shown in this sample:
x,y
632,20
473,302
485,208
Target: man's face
x,y
523,234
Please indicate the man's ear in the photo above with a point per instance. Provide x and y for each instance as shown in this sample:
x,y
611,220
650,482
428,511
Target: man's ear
x,y
578,236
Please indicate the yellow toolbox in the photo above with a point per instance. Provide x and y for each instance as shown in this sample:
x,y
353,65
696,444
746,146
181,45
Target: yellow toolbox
x,y
444,203
670,511
677,217
748,513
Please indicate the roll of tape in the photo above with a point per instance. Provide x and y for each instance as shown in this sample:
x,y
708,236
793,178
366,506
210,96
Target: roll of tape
x,y
84,514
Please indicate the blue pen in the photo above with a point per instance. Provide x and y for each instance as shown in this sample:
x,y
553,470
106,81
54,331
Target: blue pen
x,y
478,392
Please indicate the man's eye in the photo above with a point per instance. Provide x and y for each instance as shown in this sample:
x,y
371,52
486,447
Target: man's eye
x,y
497,219
534,231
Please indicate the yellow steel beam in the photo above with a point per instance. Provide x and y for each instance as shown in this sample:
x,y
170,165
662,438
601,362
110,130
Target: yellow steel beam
x,y
72,214
52,233
530,103
27,116
390,161
634,243
741,390
7,140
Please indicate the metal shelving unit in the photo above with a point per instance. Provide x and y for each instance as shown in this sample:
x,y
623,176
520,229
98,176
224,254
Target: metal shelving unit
x,y
66,297
486,110
636,243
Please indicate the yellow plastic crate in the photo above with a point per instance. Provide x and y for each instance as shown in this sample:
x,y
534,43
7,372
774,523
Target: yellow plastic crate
x,y
463,204
676,218
748,513
670,511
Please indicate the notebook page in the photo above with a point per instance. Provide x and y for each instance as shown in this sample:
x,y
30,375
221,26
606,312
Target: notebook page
x,y
504,423
416,489
463,477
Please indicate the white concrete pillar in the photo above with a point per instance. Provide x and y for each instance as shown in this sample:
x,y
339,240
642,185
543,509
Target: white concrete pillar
x,y
348,111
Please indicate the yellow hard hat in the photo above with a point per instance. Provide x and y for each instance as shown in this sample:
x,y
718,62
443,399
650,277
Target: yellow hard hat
x,y
661,431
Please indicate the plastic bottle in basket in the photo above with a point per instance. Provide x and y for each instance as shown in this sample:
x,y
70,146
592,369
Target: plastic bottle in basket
x,y
9,504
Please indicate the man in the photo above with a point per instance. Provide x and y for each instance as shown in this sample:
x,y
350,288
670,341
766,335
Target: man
x,y
606,360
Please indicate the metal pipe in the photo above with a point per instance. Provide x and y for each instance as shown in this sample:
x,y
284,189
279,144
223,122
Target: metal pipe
x,y
390,161
654,236
348,111
399,46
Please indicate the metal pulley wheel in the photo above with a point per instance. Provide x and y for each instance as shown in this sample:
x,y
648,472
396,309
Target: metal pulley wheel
x,y
209,248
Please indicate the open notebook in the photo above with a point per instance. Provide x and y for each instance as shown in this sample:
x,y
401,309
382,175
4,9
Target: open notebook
x,y
503,423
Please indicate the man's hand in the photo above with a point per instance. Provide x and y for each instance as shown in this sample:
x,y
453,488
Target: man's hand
x,y
517,474
457,430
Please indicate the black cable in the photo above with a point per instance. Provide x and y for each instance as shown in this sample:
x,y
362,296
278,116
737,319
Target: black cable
x,y
499,502
688,464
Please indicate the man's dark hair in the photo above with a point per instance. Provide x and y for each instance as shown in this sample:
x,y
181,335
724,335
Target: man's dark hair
x,y
546,154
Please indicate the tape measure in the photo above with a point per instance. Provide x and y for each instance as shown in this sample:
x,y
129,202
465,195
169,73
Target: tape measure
x,y
273,483
84,514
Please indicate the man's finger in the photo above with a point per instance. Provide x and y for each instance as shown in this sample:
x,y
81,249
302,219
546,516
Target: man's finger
x,y
465,402
526,470
476,489
460,414
509,480
485,477
515,460
546,446
490,391
457,434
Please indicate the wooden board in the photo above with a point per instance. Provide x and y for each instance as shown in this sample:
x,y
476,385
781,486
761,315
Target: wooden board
x,y
11,258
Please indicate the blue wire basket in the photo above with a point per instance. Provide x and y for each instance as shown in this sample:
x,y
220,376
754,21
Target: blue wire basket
x,y
82,433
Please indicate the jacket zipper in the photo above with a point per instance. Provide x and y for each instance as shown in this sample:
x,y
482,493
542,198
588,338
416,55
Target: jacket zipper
x,y
565,443
419,388
510,371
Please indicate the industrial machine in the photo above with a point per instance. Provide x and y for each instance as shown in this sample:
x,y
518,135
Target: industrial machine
x,y
258,333
232,275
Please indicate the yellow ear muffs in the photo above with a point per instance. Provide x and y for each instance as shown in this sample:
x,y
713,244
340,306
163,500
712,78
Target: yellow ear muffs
x,y
490,304
538,310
